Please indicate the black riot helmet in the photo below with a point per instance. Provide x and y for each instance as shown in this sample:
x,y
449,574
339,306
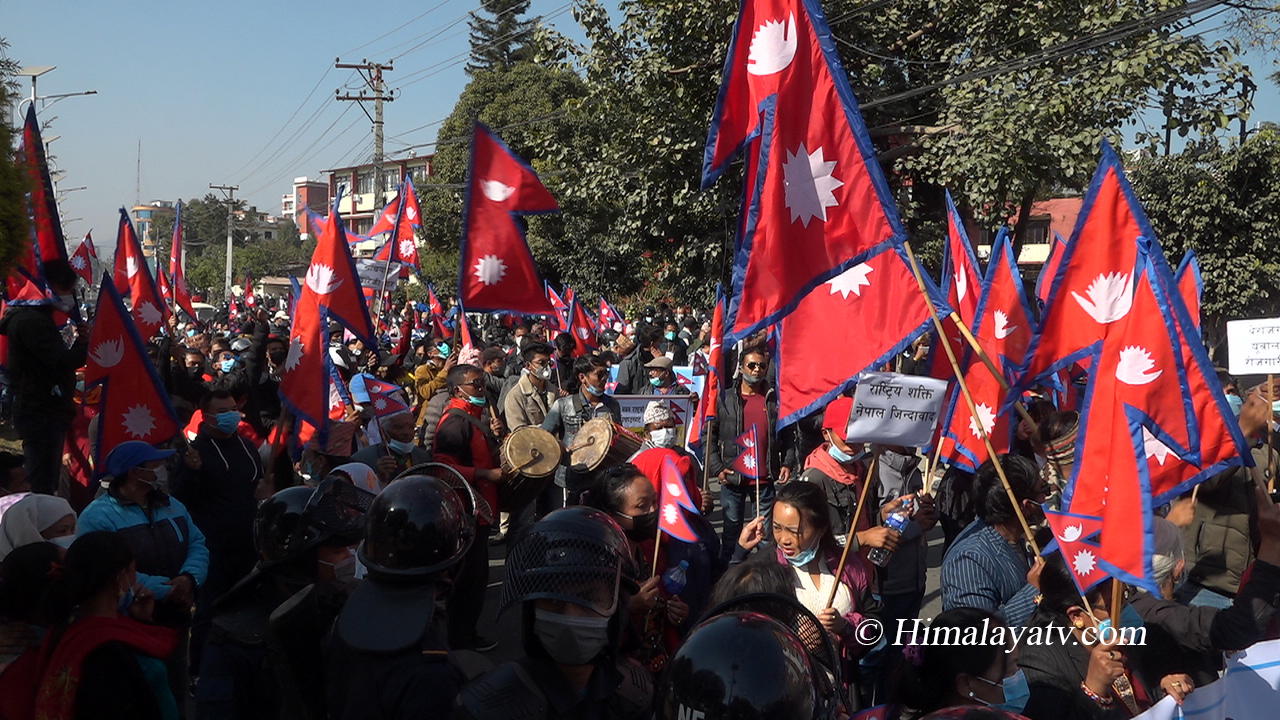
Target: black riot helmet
x,y
418,527
577,555
298,519
743,664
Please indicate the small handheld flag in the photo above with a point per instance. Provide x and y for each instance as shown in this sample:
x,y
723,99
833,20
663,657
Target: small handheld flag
x,y
747,464
673,496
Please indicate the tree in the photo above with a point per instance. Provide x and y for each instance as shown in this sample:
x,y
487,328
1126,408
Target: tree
x,y
500,41
1000,101
1225,203
15,234
285,254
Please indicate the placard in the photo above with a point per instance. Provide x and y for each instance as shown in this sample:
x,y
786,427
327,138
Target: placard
x,y
633,410
1249,689
895,409
1253,346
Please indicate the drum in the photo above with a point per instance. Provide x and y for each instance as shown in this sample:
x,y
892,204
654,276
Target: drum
x,y
454,479
603,443
530,456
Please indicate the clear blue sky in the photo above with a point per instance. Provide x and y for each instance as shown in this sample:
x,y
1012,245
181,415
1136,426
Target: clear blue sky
x,y
206,87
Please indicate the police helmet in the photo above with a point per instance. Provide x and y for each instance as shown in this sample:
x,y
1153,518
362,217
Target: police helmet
x,y
417,528
297,519
576,555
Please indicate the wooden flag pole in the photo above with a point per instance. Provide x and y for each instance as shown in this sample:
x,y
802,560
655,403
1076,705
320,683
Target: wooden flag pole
x,y
657,543
968,399
853,526
986,360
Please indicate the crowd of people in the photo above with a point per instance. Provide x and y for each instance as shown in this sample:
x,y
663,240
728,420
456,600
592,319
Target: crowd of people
x,y
224,575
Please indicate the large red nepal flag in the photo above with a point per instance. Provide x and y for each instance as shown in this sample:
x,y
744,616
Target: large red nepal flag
x,y
133,278
332,279
817,201
711,385
1093,287
855,321
582,327
134,404
177,268
44,205
433,303
1050,269
387,220
250,299
960,275
304,377
84,257
497,272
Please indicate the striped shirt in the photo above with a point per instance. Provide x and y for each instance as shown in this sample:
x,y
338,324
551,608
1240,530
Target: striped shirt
x,y
983,570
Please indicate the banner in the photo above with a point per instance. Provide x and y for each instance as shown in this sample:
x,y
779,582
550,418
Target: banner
x,y
1249,689
371,273
633,410
895,409
1253,346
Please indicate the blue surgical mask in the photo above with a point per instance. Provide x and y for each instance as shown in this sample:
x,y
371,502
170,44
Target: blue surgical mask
x,y
592,389
1016,693
841,456
802,558
227,421
1129,618
655,381
671,336
402,448
1236,402
481,401
227,365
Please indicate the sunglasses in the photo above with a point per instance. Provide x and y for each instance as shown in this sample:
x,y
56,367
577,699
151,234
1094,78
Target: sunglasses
x,y
753,366
473,383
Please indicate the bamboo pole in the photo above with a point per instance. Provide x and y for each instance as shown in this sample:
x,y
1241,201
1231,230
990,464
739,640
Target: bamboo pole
x,y
853,526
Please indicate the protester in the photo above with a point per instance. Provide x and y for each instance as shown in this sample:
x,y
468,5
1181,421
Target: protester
x,y
397,451
25,576
13,480
567,416
662,379
101,661
388,655
988,566
467,440
37,518
572,578
530,399
42,375
750,403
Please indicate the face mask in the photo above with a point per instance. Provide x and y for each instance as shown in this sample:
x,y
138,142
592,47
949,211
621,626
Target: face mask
x,y
443,348
751,378
402,448
802,558
1129,618
1236,402
227,365
593,390
344,574
544,373
159,477
643,527
278,356
65,302
570,639
671,336
64,542
841,456
663,437
480,401
1016,693
228,421
656,382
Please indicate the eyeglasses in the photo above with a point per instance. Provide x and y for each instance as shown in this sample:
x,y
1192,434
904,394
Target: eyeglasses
x,y
753,366
474,383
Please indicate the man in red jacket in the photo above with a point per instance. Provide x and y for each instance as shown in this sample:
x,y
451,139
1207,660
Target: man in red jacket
x,y
467,440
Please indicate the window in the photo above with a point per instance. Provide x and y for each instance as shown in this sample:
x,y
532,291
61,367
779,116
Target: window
x,y
390,180
1037,232
364,183
143,214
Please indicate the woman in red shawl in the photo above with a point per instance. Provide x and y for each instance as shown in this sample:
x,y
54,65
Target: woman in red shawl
x,y
96,661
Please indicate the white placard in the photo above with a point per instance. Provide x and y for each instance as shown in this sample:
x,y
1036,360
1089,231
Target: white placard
x,y
895,409
1253,346
1249,690
633,410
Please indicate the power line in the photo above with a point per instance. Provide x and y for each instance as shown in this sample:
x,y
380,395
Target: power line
x,y
398,28
286,122
297,134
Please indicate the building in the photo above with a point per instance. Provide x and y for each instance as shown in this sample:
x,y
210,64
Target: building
x,y
307,194
358,195
144,220
1056,216
252,222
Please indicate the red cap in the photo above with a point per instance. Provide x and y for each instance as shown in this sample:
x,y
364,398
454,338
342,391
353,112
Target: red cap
x,y
836,416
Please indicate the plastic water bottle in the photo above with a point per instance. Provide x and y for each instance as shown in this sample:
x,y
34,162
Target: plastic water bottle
x,y
675,578
896,521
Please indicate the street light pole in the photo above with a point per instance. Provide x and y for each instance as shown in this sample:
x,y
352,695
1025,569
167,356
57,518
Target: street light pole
x,y
230,191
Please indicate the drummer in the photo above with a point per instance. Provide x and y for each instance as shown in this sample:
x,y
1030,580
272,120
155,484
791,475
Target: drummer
x,y
567,416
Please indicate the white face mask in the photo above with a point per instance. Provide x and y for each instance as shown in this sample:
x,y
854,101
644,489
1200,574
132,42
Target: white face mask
x,y
663,437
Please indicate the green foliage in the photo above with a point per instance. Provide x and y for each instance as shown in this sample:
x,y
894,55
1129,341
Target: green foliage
x,y
1224,203
501,40
15,233
283,255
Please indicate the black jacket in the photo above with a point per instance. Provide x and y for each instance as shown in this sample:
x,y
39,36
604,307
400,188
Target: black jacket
x,y
728,427
1055,672
42,369
220,495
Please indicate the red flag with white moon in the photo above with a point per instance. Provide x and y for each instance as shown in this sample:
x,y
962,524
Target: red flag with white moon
x,y
133,278
497,272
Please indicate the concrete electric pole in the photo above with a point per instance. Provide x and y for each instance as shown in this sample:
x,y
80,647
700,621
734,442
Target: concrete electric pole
x,y
372,74
230,191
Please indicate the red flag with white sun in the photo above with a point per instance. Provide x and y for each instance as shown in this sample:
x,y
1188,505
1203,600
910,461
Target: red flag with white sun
x,y
497,272
134,404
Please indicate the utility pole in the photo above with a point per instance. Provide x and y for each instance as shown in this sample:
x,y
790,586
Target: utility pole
x,y
372,74
230,191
